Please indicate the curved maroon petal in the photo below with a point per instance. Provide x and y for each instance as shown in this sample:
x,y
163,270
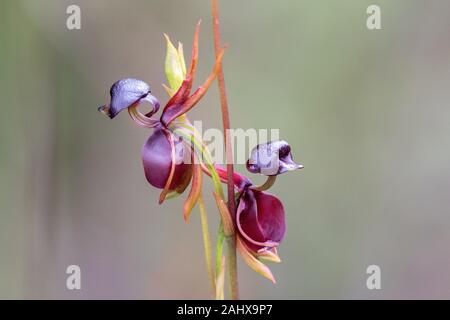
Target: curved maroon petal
x,y
157,157
260,220
127,92
272,158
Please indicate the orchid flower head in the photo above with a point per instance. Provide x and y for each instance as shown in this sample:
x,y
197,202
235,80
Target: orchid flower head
x,y
126,93
272,158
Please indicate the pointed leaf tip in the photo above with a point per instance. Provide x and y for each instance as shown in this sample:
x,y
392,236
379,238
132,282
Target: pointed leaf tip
x,y
269,255
175,68
252,262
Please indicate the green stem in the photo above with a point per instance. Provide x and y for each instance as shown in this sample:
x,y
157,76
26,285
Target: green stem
x,y
267,184
219,247
232,267
207,246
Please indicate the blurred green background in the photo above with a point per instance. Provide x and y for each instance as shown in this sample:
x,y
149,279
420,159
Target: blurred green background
x,y
367,113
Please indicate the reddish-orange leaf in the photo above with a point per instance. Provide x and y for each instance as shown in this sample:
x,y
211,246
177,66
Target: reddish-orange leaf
x,y
194,194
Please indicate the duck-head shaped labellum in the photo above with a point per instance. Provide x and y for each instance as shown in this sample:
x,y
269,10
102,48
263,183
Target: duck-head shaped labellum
x,y
272,158
165,162
126,93
260,220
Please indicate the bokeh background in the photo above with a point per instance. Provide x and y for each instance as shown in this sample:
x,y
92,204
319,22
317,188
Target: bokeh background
x,y
367,113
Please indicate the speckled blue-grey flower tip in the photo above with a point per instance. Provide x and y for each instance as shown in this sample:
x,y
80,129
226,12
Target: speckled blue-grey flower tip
x,y
126,93
272,158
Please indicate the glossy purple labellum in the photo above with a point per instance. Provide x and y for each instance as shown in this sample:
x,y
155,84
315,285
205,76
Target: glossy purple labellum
x,y
272,158
160,153
260,220
126,93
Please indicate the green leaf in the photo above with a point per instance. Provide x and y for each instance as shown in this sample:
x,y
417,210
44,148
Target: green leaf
x,y
175,67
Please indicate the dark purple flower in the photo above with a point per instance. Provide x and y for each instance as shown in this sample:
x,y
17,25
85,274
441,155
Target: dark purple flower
x,y
260,220
272,158
164,155
259,215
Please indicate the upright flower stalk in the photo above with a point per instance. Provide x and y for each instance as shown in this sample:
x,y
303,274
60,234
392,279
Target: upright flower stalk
x,y
231,238
174,157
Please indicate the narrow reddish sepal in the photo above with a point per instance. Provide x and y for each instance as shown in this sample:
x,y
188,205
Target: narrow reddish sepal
x,y
194,194
239,181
